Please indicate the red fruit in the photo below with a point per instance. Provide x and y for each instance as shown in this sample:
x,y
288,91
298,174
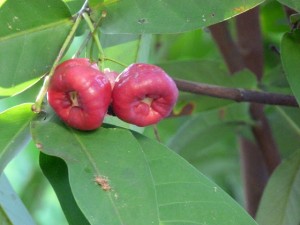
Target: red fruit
x,y
111,76
144,94
80,94
76,62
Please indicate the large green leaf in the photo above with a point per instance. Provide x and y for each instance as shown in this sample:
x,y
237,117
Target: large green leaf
x,y
12,210
290,54
109,154
167,16
142,182
30,37
280,203
291,3
184,195
15,133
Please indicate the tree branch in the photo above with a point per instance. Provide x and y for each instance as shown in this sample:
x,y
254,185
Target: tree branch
x,y
250,41
254,177
228,48
236,94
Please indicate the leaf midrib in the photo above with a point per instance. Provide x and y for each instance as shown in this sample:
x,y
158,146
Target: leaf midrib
x,y
97,172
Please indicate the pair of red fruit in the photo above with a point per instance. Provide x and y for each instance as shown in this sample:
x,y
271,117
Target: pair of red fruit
x,y
80,94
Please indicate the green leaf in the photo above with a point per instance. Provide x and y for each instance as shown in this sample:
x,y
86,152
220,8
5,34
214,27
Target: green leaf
x,y
207,140
142,182
15,132
291,3
112,155
129,52
291,119
56,171
11,205
30,39
271,15
290,54
115,121
18,88
28,95
165,16
281,198
184,195
189,45
205,129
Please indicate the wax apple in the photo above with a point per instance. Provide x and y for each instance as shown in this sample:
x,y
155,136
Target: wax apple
x,y
111,76
143,94
80,94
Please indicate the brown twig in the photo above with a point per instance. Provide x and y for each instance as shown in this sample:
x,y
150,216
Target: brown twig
x,y
236,94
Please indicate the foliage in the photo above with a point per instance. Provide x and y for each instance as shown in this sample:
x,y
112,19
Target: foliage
x,y
184,170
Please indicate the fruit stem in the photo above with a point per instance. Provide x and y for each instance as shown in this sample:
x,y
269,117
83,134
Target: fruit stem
x,y
90,34
95,37
36,107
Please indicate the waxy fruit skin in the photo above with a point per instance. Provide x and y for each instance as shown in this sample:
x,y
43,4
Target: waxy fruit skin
x,y
111,76
80,94
143,94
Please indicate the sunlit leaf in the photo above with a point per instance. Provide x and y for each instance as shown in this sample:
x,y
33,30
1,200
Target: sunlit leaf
x,y
18,88
15,133
165,16
28,95
30,38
